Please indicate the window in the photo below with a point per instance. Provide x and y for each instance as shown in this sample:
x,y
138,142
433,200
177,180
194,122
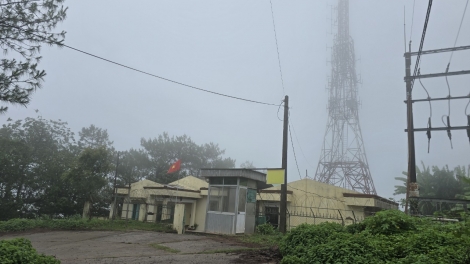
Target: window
x,y
222,199
223,181
215,199
230,181
243,182
216,181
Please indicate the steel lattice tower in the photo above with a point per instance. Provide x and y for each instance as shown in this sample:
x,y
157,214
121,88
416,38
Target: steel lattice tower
x,y
343,160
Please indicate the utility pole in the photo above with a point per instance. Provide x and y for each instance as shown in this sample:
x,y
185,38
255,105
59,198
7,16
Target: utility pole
x,y
283,209
115,189
411,185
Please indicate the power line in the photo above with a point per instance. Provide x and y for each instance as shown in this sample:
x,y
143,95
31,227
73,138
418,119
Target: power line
x,y
293,149
300,146
412,20
458,32
166,79
277,47
421,44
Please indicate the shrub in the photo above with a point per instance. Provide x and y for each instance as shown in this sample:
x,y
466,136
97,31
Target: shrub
x,y
266,229
389,222
387,237
301,237
21,251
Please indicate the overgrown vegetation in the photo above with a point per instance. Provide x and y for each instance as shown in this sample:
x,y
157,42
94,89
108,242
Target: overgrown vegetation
x,y
77,223
266,236
388,237
45,171
20,250
442,183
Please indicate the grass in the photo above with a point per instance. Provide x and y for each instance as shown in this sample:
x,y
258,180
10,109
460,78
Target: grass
x,y
167,249
262,240
227,251
77,223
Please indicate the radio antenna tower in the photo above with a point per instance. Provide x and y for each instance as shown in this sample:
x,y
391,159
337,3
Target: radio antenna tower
x,y
343,160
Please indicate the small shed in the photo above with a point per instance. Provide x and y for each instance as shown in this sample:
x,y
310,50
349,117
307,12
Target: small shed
x,y
231,203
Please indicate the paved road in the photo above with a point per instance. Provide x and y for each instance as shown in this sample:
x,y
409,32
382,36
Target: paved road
x,y
129,247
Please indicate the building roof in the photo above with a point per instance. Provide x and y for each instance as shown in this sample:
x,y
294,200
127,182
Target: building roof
x,y
190,182
235,172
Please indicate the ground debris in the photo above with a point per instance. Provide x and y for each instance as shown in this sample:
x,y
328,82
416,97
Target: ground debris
x,y
266,255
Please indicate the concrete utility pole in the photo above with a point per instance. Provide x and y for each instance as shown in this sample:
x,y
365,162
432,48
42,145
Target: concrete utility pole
x,y
411,184
283,209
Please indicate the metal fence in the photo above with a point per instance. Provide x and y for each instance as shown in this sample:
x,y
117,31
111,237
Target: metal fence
x,y
424,206
298,215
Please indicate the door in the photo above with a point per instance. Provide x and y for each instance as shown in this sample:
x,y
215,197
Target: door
x,y
241,215
135,211
272,215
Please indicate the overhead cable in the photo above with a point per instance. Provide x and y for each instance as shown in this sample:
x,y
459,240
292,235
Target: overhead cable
x,y
421,44
168,80
300,146
293,150
277,47
458,32
412,20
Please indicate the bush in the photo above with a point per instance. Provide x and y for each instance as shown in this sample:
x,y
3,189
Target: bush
x,y
305,235
389,222
387,237
77,223
266,229
21,251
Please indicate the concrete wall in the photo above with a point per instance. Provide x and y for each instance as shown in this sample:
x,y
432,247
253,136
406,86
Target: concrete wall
x,y
178,220
200,217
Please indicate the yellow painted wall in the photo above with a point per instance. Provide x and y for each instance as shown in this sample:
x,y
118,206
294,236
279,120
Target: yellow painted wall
x,y
200,218
178,220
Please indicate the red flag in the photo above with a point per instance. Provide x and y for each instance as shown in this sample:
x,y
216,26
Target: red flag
x,y
175,167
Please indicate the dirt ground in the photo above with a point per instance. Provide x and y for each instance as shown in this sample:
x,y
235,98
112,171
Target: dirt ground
x,y
72,247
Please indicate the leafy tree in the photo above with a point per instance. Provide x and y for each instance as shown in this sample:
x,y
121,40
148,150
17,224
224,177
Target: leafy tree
x,y
25,26
134,165
434,182
94,137
36,153
88,179
14,160
165,150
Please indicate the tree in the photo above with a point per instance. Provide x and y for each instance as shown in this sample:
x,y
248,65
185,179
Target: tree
x,y
88,179
165,150
25,26
35,155
247,165
434,182
94,137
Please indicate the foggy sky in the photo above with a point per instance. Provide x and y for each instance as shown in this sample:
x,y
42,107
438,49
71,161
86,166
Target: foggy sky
x,y
229,47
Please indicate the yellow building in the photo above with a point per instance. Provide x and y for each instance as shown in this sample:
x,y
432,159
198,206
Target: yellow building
x,y
239,199
313,202
177,203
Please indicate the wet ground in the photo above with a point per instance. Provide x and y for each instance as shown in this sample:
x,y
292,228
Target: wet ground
x,y
141,247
